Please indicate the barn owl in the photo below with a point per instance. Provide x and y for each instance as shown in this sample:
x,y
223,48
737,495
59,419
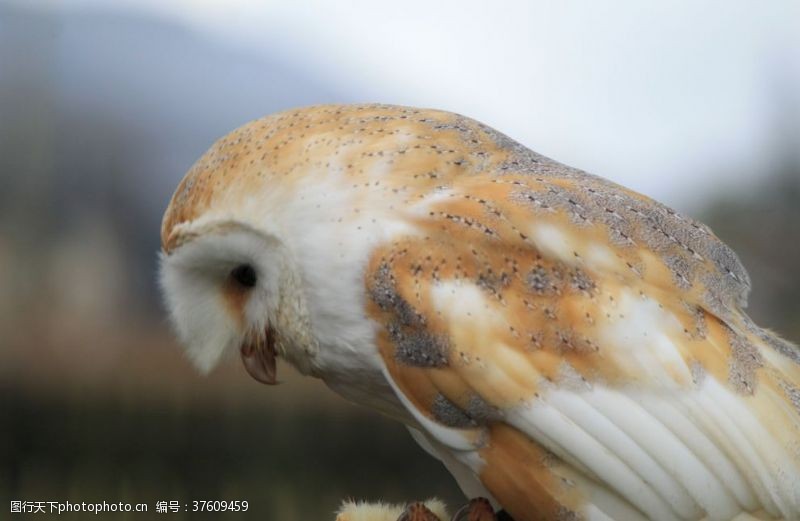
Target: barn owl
x,y
568,348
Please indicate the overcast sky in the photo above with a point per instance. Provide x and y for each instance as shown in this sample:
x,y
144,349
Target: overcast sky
x,y
673,99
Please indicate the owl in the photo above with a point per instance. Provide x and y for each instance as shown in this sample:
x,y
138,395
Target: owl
x,y
568,348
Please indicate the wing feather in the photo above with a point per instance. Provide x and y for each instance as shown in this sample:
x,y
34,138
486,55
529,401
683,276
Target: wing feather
x,y
576,373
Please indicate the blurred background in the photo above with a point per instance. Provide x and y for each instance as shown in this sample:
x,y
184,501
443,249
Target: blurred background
x,y
105,104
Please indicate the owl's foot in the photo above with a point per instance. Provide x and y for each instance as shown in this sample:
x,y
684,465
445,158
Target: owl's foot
x,y
430,510
417,512
478,509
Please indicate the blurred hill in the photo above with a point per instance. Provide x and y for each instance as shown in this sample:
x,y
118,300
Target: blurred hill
x,y
763,227
102,113
761,221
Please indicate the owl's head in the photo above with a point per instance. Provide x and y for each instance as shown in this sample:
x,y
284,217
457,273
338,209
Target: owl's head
x,y
223,283
250,234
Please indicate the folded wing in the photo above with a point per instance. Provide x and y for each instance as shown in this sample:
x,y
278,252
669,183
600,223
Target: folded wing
x,y
580,376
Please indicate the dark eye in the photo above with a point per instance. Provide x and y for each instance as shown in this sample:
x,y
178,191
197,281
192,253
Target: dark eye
x,y
244,275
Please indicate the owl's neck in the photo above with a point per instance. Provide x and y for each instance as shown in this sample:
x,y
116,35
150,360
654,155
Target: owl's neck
x,y
295,341
339,360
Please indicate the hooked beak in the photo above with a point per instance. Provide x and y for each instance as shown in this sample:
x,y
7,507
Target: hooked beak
x,y
258,355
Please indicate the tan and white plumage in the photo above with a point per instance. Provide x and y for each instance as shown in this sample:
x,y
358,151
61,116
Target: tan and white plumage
x,y
567,347
359,511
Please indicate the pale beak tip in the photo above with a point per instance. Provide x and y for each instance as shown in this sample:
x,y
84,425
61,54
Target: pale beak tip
x,y
259,359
